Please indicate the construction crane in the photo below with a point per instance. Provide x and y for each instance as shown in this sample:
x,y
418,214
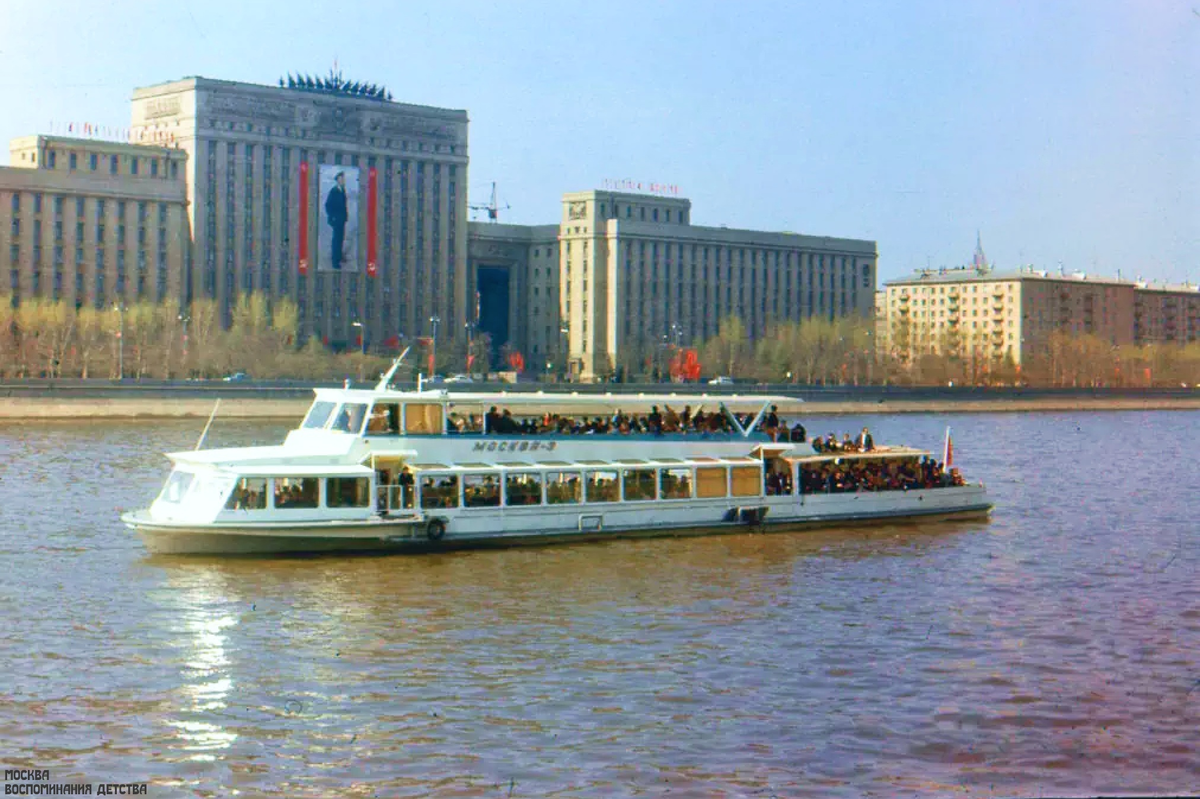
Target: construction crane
x,y
493,210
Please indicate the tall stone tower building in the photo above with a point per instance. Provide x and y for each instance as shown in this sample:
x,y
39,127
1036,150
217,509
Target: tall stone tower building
x,y
262,162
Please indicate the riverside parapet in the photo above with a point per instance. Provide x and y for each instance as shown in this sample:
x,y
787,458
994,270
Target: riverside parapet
x,y
141,407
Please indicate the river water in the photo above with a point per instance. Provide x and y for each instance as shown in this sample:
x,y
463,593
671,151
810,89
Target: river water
x,y
1054,649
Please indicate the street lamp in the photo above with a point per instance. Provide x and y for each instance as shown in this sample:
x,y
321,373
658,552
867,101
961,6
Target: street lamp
x,y
564,342
120,309
362,336
470,352
434,320
184,319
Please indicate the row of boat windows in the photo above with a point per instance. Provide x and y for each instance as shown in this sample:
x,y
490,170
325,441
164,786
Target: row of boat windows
x,y
417,418
484,490
250,493
254,493
386,418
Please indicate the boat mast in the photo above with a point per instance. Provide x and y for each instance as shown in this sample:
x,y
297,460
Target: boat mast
x,y
386,378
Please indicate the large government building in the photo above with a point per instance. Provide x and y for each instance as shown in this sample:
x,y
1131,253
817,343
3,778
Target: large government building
x,y
93,223
262,161
353,205
622,275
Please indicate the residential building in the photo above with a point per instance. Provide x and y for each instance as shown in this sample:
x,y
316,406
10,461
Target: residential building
x,y
995,317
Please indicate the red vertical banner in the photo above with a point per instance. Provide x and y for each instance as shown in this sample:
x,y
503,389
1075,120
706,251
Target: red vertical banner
x,y
372,204
303,218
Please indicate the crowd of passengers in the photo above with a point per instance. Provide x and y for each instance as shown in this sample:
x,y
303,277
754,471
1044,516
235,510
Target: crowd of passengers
x,y
832,477
830,443
656,422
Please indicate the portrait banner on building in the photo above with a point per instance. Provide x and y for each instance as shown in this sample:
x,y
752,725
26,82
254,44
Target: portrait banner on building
x,y
337,234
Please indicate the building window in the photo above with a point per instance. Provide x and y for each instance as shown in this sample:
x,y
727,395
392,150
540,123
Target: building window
x,y
133,166
92,161
154,168
112,165
51,158
73,161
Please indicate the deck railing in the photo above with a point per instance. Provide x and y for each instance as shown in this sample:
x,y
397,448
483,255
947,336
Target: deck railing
x,y
395,498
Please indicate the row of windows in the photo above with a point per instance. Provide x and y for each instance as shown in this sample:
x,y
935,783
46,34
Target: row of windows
x,y
113,163
259,493
568,487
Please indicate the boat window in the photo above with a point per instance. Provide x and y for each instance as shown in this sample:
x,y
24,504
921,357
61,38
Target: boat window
x,y
177,485
639,485
318,415
746,481
710,481
675,483
465,419
296,492
523,488
563,488
385,419
439,491
350,418
249,493
481,491
422,417
602,486
347,492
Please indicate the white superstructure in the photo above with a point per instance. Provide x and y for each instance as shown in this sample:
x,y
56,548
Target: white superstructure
x,y
384,469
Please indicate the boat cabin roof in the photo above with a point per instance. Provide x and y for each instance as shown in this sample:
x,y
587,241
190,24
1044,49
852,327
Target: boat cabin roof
x,y
307,470
875,454
626,463
544,399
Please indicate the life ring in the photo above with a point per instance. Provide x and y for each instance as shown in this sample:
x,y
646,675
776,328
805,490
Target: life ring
x,y
435,529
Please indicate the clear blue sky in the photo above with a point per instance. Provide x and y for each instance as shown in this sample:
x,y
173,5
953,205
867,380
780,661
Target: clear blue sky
x,y
1064,132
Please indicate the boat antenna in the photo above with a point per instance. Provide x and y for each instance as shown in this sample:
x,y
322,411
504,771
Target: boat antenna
x,y
211,416
386,378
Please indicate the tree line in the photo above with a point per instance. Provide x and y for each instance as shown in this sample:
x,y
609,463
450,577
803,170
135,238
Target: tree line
x,y
846,351
45,338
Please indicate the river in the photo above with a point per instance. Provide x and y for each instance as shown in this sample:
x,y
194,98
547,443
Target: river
x,y
1050,650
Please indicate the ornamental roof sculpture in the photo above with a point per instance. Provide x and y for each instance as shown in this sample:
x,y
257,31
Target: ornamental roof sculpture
x,y
335,83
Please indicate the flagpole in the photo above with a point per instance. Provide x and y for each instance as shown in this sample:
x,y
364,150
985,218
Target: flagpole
x,y
946,448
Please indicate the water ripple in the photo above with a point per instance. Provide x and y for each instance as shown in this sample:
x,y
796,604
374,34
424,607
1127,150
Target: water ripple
x,y
1052,649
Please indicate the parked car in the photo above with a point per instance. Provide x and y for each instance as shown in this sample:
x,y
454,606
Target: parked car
x,y
723,380
236,377
460,379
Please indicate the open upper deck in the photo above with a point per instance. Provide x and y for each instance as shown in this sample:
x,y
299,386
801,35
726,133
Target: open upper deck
x,y
385,412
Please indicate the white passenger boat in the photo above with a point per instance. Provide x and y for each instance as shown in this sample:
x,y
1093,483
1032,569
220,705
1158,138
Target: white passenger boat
x,y
429,470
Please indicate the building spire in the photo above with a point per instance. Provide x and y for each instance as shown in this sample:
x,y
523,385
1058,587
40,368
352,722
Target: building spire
x,y
980,261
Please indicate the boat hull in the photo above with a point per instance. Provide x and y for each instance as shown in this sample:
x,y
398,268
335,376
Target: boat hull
x,y
410,535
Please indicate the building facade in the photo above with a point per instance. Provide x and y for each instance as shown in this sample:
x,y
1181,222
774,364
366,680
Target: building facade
x,y
93,223
623,276
996,317
261,161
